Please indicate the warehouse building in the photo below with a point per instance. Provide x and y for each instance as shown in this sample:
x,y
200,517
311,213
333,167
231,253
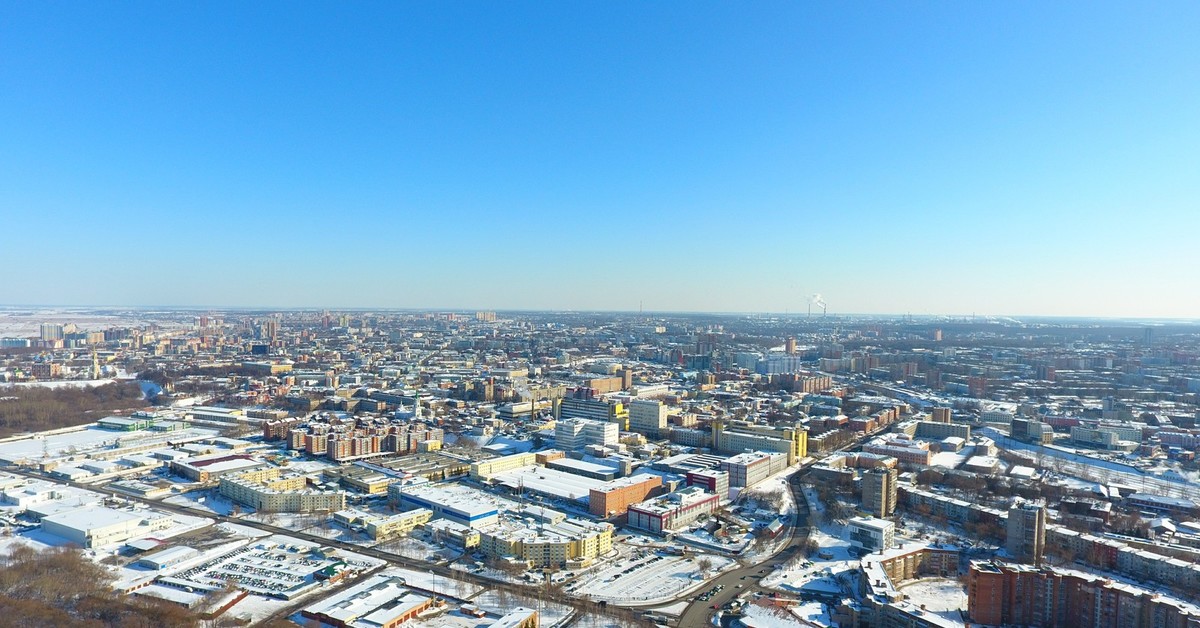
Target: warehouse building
x,y
380,601
459,504
206,469
97,526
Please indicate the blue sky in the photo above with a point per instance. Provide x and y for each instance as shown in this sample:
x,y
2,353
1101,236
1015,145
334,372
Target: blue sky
x,y
923,157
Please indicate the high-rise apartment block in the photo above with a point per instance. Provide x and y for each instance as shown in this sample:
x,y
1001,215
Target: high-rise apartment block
x,y
1026,540
880,492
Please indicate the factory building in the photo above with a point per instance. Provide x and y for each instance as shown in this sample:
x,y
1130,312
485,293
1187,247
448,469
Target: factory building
x,y
97,526
378,602
485,469
746,470
398,524
711,480
573,434
613,498
648,417
206,469
458,504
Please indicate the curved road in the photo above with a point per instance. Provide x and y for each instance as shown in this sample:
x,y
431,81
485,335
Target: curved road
x,y
698,612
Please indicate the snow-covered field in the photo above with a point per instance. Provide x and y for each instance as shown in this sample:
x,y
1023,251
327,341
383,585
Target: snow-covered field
x,y
778,617
448,587
93,438
212,502
818,574
943,596
498,602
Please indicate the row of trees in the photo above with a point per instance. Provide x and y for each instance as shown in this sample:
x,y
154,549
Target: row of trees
x,y
38,408
59,587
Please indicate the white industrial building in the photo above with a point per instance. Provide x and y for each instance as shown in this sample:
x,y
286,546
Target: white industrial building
x,y
97,526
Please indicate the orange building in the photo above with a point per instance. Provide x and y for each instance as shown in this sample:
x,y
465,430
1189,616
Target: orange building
x,y
615,497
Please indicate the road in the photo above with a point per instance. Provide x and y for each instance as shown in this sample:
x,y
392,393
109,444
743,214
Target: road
x,y
440,569
748,578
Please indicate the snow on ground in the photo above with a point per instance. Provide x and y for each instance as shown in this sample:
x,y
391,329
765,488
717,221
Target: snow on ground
x,y
597,621
66,383
674,610
183,525
212,502
499,602
703,540
771,617
829,571
241,530
446,587
943,596
289,520
414,547
776,484
34,538
258,608
489,573
648,579
1089,467
300,465
91,439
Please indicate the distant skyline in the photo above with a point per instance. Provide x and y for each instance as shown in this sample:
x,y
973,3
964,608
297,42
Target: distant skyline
x,y
926,158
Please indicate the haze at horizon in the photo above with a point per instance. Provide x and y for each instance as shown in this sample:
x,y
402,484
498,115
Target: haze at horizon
x,y
997,159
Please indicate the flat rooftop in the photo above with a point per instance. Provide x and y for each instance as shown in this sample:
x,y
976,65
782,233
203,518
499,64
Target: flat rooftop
x,y
550,481
376,600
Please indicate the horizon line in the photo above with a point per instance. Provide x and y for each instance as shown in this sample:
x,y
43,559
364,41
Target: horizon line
x,y
784,313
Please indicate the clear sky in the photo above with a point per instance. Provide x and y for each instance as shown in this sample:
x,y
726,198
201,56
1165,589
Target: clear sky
x,y
923,157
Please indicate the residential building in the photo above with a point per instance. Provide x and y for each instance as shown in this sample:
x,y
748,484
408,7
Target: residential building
x,y
1026,539
880,488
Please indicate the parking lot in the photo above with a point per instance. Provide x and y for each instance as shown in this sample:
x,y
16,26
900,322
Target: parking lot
x,y
265,569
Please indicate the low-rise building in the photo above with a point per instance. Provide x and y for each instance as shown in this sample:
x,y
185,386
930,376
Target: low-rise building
x,y
456,503
383,528
380,601
97,526
874,535
673,510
